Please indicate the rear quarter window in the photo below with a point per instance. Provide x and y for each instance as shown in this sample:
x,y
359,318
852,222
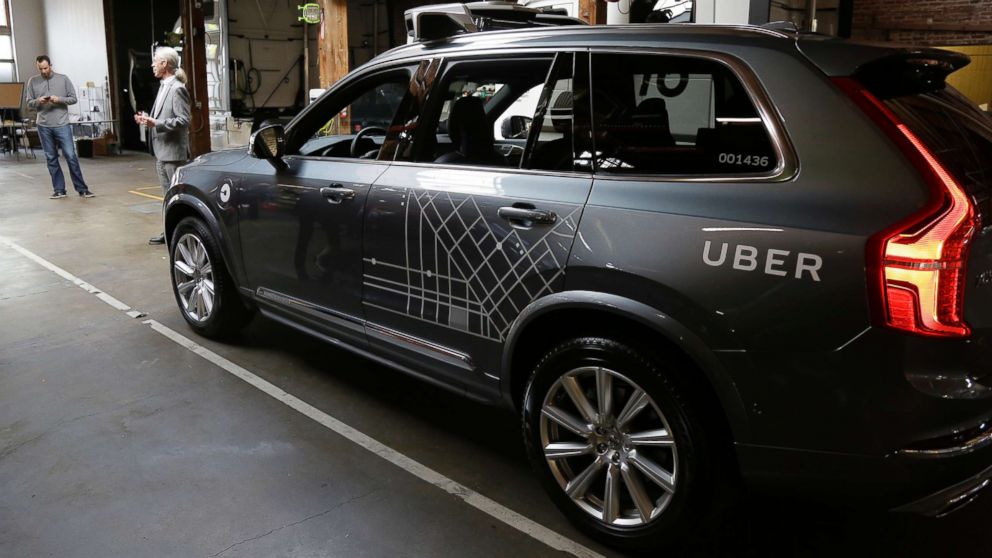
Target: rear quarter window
x,y
675,115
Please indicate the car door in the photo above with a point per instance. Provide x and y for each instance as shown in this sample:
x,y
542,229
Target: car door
x,y
456,247
301,220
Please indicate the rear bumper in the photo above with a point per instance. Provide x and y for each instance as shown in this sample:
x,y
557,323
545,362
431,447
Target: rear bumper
x,y
933,481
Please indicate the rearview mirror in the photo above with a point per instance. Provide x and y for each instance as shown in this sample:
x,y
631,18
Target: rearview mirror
x,y
516,127
268,142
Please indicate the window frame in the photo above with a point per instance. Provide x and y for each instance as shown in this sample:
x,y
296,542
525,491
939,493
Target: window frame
x,y
7,31
787,166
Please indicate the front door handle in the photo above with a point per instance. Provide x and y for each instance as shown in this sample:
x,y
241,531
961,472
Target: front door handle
x,y
527,216
337,193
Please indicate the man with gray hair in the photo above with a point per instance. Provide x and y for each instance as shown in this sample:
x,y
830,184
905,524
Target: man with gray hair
x,y
169,120
51,94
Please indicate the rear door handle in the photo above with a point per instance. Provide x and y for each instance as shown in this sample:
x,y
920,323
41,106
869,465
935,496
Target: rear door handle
x,y
527,217
337,193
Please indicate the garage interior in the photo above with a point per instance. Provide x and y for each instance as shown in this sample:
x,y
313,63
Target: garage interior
x,y
123,434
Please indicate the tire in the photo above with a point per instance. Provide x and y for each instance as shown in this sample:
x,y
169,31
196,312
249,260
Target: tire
x,y
644,439
207,296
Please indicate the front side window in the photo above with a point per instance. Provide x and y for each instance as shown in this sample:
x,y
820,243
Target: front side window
x,y
353,123
675,115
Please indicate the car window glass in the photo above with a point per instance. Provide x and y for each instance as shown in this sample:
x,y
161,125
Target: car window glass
x,y
675,115
483,111
368,107
554,134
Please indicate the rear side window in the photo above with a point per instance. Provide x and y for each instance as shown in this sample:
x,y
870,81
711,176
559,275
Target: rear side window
x,y
675,115
956,132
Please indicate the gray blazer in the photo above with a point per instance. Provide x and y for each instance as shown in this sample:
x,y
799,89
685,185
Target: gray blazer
x,y
170,136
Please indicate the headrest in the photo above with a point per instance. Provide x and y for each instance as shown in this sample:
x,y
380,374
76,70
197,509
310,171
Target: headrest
x,y
651,112
468,128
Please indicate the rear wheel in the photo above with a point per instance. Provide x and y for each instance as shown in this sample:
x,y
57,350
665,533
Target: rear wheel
x,y
205,293
612,433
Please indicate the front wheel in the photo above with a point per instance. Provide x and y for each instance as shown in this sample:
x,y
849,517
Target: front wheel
x,y
612,433
205,293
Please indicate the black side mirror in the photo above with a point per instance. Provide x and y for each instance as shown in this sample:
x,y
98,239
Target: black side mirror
x,y
268,143
516,127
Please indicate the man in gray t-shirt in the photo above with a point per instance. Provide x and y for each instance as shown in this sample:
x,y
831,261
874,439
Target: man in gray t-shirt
x,y
51,94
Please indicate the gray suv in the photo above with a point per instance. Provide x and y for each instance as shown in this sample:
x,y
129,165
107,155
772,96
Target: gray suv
x,y
689,255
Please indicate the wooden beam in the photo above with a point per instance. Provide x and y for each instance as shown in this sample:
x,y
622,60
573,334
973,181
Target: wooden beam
x,y
332,41
195,66
592,12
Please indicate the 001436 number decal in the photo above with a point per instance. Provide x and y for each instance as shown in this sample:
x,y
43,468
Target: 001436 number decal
x,y
743,160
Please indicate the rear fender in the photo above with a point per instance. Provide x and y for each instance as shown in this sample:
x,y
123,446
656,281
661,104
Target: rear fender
x,y
653,321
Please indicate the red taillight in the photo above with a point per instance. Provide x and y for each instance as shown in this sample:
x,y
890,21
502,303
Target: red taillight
x,y
916,268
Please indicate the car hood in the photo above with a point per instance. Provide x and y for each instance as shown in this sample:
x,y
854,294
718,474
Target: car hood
x,y
221,158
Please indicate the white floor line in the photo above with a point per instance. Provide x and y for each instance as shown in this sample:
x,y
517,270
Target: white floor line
x,y
116,304
415,468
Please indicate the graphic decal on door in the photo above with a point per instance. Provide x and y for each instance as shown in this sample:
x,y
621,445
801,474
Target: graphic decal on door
x,y
467,269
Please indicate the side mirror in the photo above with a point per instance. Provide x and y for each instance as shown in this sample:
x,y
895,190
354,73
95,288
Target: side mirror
x,y
268,142
516,127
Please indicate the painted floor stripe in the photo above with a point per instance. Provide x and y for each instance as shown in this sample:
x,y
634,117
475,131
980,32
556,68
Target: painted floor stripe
x,y
159,198
417,469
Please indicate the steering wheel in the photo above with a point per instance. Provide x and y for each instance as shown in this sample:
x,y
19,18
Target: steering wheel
x,y
361,135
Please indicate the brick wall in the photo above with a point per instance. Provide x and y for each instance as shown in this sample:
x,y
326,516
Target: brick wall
x,y
924,22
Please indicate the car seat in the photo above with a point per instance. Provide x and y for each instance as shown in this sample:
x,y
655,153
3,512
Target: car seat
x,y
557,154
650,127
471,134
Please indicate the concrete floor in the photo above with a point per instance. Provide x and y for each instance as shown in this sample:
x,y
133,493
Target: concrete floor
x,y
116,441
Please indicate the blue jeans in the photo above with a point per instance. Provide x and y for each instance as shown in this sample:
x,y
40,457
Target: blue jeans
x,y
53,139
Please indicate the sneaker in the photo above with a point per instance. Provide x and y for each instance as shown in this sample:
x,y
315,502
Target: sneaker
x,y
87,194
57,196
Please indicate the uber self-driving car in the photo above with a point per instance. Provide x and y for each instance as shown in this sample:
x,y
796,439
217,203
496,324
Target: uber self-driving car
x,y
686,254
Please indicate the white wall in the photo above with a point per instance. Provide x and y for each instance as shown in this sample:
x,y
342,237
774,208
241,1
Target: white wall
x,y
28,18
723,11
77,42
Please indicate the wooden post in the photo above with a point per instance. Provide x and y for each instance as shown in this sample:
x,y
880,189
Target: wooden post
x,y
332,52
112,110
332,41
592,12
195,66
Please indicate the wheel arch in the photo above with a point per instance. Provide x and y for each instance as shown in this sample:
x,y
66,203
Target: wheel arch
x,y
568,314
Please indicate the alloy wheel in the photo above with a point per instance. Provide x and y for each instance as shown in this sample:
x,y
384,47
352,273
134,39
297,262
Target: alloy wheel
x,y
194,277
609,446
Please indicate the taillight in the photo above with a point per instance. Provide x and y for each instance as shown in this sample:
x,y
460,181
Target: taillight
x,y
916,268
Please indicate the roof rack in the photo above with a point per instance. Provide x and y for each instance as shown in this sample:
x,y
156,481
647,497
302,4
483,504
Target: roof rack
x,y
787,27
443,21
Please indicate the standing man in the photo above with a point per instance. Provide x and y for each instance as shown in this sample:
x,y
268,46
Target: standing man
x,y
51,94
169,121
